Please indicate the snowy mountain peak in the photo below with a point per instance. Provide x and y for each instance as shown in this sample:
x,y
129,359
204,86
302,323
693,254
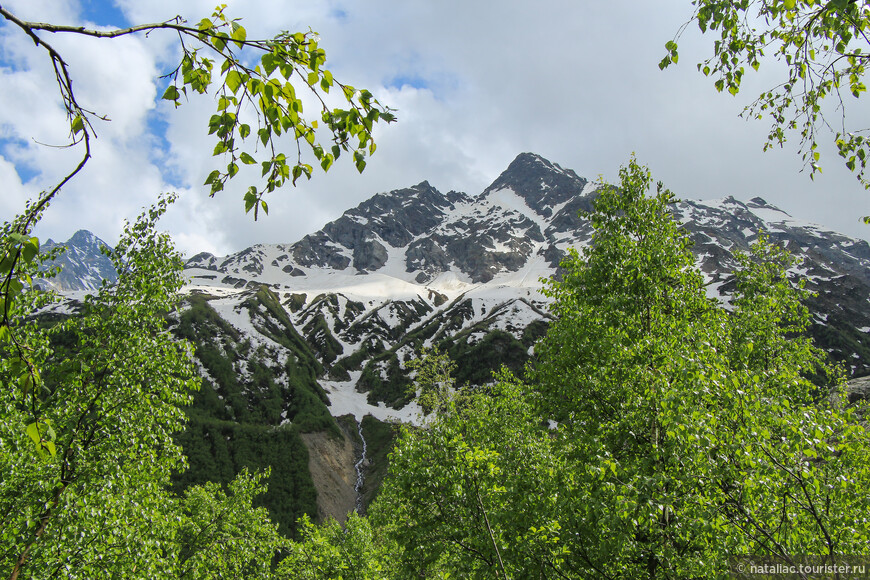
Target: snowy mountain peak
x,y
83,265
85,239
416,267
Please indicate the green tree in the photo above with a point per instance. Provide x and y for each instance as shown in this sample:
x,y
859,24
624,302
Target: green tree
x,y
627,357
90,434
221,535
87,444
433,380
477,493
692,431
795,457
824,45
357,550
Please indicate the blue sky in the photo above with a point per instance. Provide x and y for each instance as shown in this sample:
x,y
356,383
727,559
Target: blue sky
x,y
474,84
103,13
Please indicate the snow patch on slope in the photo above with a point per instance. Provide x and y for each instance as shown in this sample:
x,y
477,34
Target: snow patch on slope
x,y
345,399
508,199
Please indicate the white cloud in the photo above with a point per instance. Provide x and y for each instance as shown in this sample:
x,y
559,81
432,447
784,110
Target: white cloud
x,y
62,11
577,82
15,195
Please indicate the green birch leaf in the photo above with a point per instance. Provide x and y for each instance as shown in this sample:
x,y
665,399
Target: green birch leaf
x,y
171,93
234,80
78,124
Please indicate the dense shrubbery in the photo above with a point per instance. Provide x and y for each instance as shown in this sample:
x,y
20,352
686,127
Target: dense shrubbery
x,y
477,357
321,339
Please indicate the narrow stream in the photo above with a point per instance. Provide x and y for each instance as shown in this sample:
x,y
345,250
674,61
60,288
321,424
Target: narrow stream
x,y
360,477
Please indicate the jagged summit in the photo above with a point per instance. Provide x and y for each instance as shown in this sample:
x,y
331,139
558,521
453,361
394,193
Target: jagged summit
x,y
82,239
83,265
545,186
418,234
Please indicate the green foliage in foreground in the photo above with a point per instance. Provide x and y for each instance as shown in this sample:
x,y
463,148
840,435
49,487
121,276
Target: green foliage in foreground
x,y
686,433
86,447
695,431
356,551
477,494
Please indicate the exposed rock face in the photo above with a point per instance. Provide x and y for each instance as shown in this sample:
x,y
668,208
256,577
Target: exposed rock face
x,y
859,389
369,255
396,217
318,250
203,260
331,463
428,257
544,186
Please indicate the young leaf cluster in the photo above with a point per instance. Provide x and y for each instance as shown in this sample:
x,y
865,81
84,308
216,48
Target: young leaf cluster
x,y
214,55
287,62
824,45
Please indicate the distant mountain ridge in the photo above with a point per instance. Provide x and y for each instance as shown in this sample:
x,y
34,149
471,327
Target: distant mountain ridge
x,y
418,244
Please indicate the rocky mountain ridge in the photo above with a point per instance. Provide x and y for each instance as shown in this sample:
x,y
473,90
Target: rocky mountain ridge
x,y
424,234
404,260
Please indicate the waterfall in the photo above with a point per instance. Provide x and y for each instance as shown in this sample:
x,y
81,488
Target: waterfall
x,y
360,477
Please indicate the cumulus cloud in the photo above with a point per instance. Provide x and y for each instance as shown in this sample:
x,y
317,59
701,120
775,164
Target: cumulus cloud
x,y
474,84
